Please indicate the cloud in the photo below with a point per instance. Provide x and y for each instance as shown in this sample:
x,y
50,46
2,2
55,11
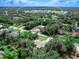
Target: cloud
x,y
39,3
63,3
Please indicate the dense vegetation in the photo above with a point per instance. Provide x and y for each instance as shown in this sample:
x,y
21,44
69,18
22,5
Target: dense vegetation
x,y
20,45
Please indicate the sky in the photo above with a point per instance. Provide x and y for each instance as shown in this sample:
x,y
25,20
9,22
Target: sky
x,y
25,3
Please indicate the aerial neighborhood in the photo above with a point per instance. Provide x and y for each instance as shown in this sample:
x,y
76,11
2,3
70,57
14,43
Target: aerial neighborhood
x,y
39,33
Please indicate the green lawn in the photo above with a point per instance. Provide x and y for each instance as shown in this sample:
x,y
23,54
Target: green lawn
x,y
41,37
77,40
63,38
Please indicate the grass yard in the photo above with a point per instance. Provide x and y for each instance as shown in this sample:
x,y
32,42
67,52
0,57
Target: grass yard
x,y
41,37
77,40
63,38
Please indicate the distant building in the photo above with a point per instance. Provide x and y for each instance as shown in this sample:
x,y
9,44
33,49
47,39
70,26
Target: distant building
x,y
36,11
6,13
58,12
39,11
54,17
16,18
1,53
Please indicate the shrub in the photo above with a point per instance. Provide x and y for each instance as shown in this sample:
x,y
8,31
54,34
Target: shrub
x,y
10,54
32,36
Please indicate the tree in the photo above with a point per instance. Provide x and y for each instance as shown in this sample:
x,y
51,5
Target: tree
x,y
69,43
32,36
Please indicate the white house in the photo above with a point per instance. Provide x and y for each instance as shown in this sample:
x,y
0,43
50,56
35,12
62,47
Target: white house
x,y
41,44
38,28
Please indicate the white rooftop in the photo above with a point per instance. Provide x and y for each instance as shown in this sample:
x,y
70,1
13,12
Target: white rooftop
x,y
0,25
